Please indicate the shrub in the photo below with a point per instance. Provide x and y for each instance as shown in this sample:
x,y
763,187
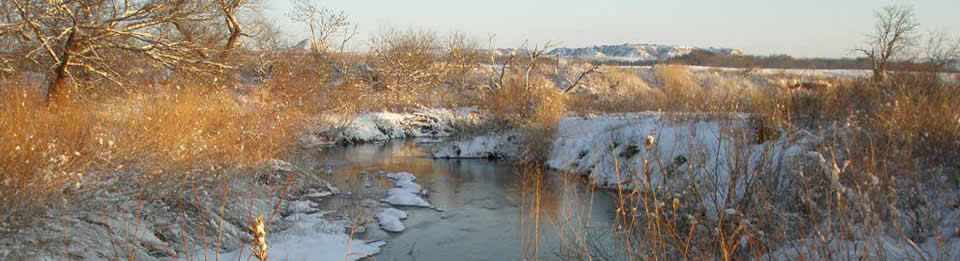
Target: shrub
x,y
678,87
405,61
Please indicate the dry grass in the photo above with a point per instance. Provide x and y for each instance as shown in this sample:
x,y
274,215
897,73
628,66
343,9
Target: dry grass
x,y
678,86
47,151
889,144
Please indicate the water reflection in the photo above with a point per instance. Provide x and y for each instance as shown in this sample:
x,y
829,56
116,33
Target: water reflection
x,y
491,210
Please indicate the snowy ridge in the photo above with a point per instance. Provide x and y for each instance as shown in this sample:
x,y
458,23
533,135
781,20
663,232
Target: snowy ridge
x,y
637,52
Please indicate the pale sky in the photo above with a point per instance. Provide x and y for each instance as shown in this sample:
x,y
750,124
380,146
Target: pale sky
x,y
811,28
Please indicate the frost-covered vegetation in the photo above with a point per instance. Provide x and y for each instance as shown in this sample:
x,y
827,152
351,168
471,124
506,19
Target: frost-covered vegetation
x,y
163,130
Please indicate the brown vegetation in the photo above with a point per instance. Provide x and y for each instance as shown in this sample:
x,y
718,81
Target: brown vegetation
x,y
158,133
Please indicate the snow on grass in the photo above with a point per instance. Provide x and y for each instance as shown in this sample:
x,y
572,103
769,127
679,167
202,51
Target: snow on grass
x,y
880,248
381,126
703,148
312,238
481,147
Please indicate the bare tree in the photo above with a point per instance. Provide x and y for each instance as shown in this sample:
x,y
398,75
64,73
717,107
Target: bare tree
x,y
231,10
463,57
894,32
96,37
941,50
325,26
406,61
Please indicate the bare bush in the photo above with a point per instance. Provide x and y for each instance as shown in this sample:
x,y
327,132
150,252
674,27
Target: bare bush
x,y
462,59
941,50
406,62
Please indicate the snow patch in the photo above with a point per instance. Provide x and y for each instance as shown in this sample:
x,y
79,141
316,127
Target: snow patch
x,y
481,147
395,212
390,222
405,192
637,52
612,150
312,238
382,126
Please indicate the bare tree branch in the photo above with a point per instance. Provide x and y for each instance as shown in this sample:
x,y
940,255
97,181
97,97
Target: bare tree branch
x,y
579,78
941,50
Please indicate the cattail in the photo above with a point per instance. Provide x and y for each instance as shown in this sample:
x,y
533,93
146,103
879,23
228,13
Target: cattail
x,y
259,243
650,142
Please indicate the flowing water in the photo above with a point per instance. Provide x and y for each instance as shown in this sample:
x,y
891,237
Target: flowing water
x,y
485,210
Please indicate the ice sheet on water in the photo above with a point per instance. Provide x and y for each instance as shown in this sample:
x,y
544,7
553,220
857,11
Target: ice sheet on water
x,y
389,222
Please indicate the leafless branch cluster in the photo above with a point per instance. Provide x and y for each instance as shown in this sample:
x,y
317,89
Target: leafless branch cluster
x,y
405,61
325,26
533,58
941,50
112,39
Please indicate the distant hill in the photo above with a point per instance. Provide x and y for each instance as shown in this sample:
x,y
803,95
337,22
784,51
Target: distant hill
x,y
638,52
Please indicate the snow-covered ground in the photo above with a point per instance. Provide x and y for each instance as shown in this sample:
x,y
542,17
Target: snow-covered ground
x,y
842,74
672,150
312,237
491,146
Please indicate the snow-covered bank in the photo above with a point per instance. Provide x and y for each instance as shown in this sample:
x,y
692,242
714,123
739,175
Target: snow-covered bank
x,y
163,221
673,151
590,146
312,237
491,146
611,149
382,126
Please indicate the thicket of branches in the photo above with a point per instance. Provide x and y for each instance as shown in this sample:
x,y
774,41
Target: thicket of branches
x,y
113,40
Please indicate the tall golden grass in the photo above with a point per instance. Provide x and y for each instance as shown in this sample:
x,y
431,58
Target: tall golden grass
x,y
159,132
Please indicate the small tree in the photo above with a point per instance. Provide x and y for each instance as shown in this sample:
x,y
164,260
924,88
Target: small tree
x,y
325,26
894,32
462,57
941,50
407,61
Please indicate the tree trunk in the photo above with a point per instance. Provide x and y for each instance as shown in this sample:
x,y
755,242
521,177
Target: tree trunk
x,y
879,74
58,92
